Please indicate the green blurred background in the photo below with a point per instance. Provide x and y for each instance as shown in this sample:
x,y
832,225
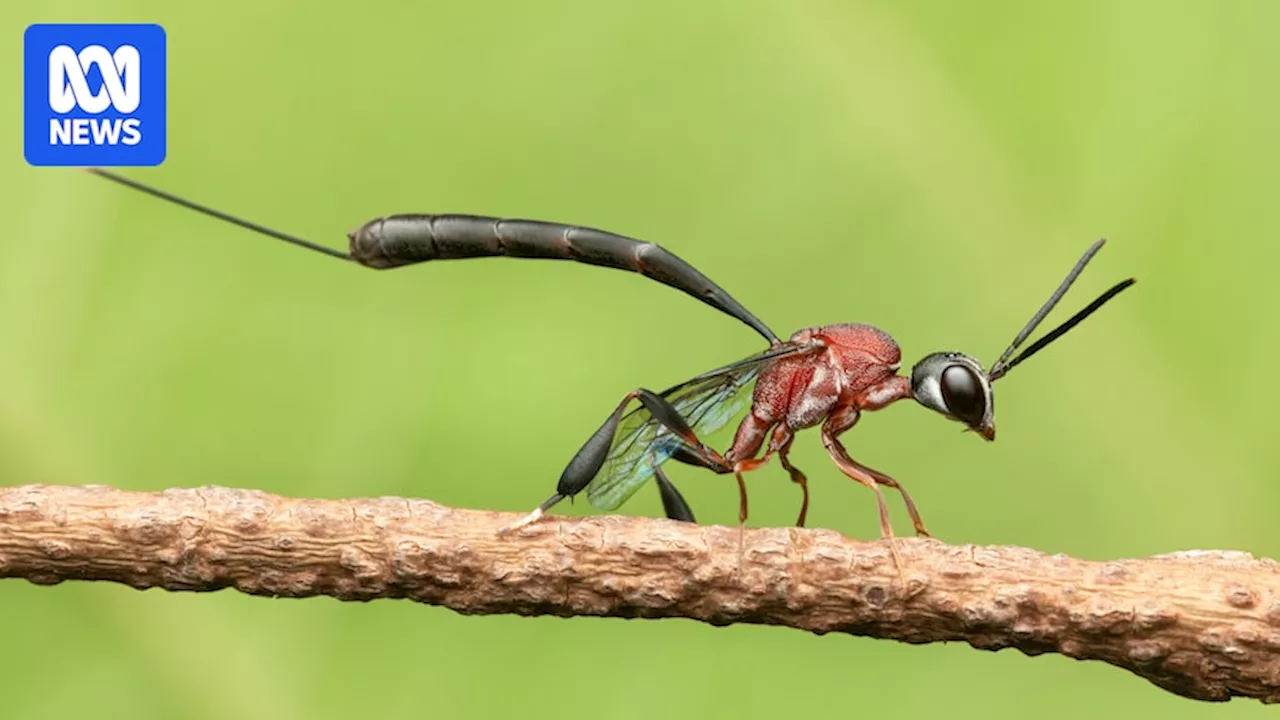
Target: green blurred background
x,y
932,167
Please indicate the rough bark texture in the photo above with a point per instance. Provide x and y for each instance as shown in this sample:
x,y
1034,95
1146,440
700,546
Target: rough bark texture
x,y
1203,624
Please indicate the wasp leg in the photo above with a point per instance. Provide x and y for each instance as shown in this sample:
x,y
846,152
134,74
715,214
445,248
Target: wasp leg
x,y
590,458
838,422
673,503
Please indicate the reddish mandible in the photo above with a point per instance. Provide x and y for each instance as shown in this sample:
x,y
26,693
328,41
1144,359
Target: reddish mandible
x,y
821,376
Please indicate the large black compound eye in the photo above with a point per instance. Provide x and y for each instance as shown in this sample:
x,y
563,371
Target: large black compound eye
x,y
963,393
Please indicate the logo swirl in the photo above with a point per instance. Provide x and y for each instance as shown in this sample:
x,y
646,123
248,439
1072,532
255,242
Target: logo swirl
x,y
69,87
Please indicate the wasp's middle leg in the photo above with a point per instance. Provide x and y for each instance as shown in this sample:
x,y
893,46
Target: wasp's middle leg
x,y
781,444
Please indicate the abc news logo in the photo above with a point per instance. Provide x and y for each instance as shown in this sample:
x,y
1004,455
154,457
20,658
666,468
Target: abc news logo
x,y
94,95
69,89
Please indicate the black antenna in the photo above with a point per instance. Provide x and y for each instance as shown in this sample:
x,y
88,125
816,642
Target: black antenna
x,y
261,229
1004,364
1051,302
1037,346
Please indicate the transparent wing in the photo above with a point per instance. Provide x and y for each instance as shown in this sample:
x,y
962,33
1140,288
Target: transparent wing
x,y
707,403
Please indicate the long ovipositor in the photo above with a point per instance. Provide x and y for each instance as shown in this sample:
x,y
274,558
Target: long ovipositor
x,y
398,240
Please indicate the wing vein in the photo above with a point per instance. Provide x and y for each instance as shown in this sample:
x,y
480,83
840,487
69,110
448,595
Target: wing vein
x,y
707,403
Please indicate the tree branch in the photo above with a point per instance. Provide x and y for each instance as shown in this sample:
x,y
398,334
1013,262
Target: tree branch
x,y
1203,624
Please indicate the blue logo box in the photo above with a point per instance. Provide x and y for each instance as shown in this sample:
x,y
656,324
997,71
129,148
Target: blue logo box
x,y
94,95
